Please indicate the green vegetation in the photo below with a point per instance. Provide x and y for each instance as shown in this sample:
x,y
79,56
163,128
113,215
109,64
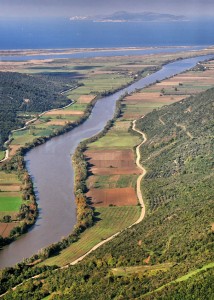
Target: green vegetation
x,y
9,203
108,221
2,154
148,270
177,231
115,140
25,93
111,181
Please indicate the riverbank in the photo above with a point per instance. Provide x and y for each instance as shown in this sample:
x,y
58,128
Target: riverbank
x,y
105,156
115,254
24,138
61,163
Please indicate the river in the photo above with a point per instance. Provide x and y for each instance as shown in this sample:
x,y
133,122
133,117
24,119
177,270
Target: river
x,y
53,176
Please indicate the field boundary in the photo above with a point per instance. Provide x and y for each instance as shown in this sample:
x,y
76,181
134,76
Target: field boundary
x,y
139,195
140,219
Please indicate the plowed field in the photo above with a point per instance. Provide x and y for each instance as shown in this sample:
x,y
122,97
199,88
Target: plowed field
x,y
118,197
112,162
86,98
5,228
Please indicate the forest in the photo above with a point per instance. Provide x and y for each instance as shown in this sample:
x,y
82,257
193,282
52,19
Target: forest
x,y
170,254
22,94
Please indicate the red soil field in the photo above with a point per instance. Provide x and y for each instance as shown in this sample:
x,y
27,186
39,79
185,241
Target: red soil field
x,y
105,162
117,196
86,98
5,228
13,149
153,97
64,112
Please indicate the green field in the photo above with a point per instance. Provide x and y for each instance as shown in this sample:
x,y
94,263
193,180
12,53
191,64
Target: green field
x,y
8,178
77,106
114,140
111,220
2,154
9,203
148,270
111,181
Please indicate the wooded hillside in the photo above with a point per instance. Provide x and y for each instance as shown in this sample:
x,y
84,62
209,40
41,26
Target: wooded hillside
x,y
170,254
21,94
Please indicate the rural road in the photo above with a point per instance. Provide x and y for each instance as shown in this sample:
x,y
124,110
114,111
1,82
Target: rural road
x,y
139,195
142,215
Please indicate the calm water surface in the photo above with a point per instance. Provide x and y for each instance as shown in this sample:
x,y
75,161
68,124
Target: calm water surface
x,y
52,172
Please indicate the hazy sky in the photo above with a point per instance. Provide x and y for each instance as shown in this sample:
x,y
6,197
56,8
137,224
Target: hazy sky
x,y
69,8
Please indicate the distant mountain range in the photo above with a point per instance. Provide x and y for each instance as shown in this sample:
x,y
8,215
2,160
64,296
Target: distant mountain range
x,y
123,16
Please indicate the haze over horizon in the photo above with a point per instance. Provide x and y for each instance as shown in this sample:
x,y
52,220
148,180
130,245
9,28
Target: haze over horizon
x,y
68,8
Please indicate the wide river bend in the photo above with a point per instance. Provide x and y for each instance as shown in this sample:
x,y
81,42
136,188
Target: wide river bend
x,y
53,175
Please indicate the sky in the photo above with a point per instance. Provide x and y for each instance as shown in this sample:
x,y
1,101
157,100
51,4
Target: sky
x,y
69,8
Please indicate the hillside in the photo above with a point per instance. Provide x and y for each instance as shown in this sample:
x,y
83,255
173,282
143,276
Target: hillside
x,y
169,255
21,94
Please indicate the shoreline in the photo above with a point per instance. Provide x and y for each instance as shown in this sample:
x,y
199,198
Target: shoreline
x,y
61,51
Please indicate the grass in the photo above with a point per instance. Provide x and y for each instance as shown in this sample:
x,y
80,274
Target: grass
x,y
8,178
77,106
9,203
114,181
115,140
2,154
148,270
111,220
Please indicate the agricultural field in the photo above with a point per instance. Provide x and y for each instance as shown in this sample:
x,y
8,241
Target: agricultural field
x,y
91,85
148,270
112,197
10,201
2,154
5,228
109,221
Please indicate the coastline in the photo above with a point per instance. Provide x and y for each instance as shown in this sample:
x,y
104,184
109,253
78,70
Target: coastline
x,y
29,52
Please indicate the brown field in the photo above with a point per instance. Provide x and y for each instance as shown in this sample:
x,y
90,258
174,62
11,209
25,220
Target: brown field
x,y
153,97
86,98
106,162
9,187
64,112
13,149
58,122
5,228
169,83
118,197
135,66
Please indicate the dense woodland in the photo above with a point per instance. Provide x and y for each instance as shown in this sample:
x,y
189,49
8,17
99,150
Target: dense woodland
x,y
177,230
22,94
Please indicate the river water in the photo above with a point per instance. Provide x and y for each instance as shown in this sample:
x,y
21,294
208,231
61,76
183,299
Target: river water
x,y
53,176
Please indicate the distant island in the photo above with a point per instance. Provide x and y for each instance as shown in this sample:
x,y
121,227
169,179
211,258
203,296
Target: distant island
x,y
123,16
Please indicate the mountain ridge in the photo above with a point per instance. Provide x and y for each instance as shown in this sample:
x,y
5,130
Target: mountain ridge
x,y
123,17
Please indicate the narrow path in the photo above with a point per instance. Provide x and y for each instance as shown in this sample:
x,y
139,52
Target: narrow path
x,y
140,219
182,278
162,122
183,127
139,195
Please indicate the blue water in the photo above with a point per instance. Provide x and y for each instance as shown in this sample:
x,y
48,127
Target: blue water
x,y
62,33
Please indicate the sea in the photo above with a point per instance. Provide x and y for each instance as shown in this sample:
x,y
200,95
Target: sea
x,y
59,33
